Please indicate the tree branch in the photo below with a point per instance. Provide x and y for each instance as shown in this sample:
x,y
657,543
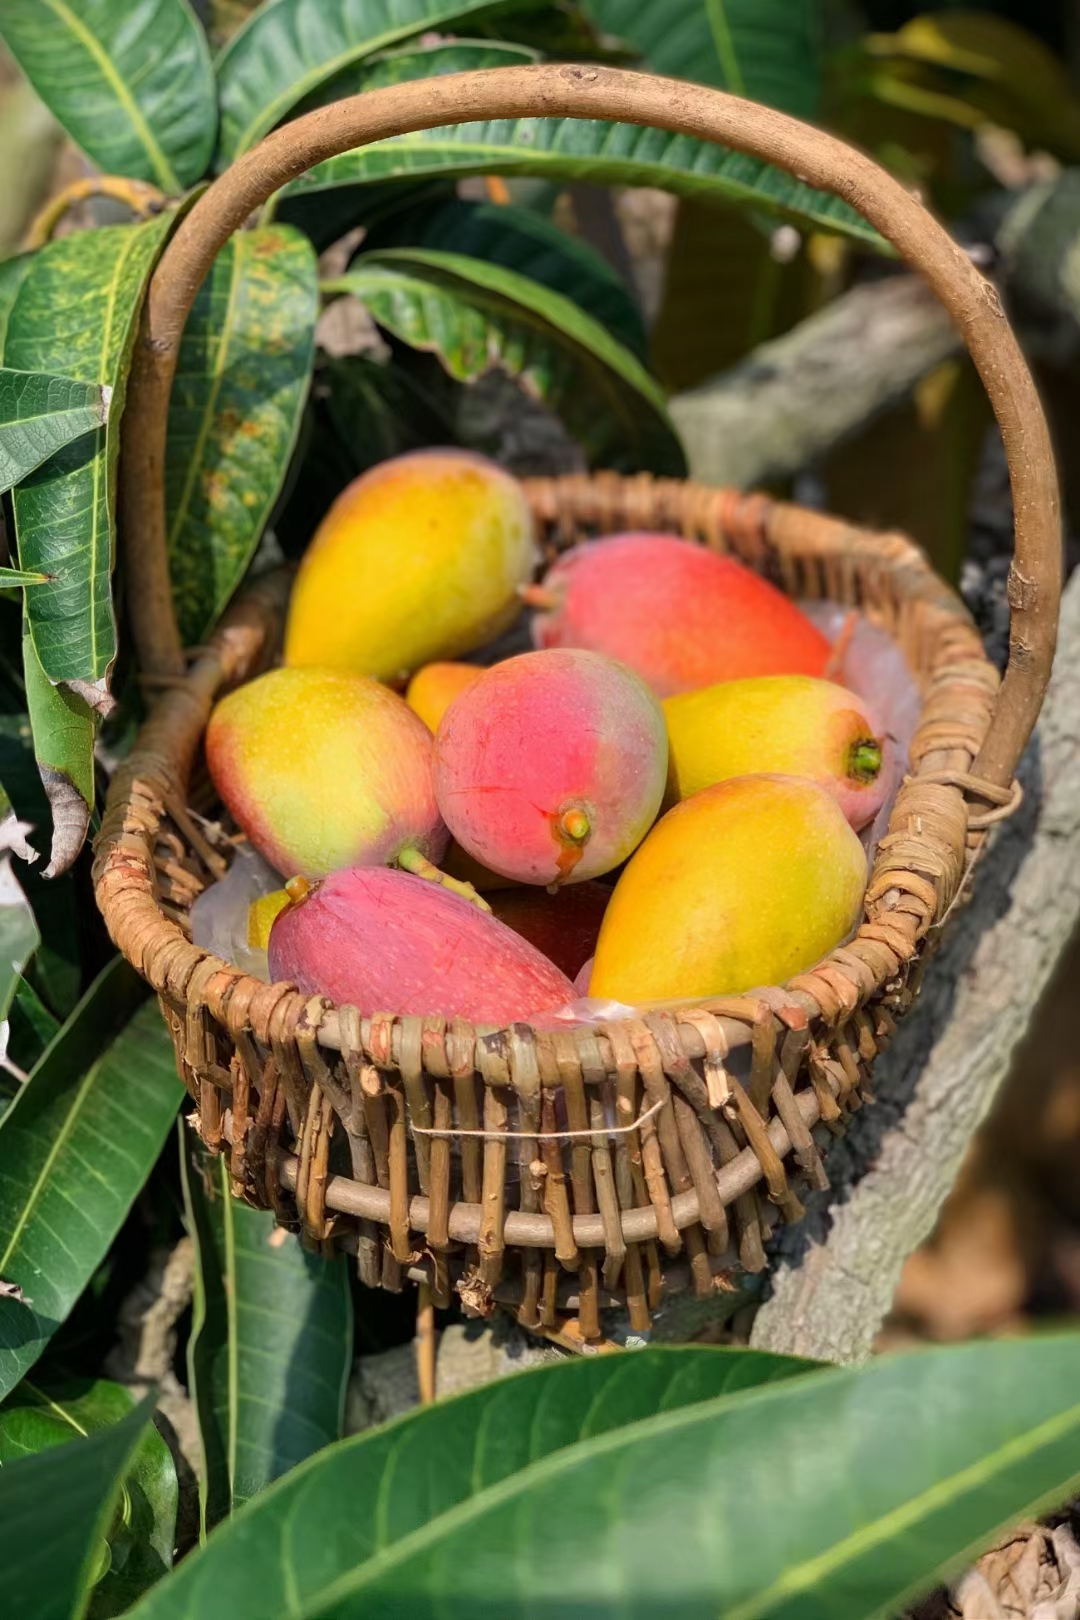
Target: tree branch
x,y
891,1174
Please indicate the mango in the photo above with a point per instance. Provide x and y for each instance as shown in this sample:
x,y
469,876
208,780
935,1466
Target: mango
x,y
433,688
261,915
322,769
740,886
385,941
682,616
551,768
564,926
418,559
790,724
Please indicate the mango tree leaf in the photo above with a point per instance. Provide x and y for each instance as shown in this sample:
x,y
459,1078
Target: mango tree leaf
x,y
140,1538
576,149
76,311
31,1026
271,1341
39,414
63,727
130,80
55,1508
289,47
524,241
375,1491
235,410
677,1512
476,316
75,1149
769,50
12,272
55,971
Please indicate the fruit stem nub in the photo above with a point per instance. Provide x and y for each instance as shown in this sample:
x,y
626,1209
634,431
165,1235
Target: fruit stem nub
x,y
864,759
297,889
538,596
411,860
575,824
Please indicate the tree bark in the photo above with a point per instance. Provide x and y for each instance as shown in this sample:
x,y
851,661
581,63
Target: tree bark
x,y
796,398
839,1269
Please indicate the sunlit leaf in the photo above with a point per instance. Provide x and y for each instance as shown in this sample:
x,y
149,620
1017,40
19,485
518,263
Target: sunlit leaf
x,y
39,414
130,80
243,374
76,312
75,1149
840,1494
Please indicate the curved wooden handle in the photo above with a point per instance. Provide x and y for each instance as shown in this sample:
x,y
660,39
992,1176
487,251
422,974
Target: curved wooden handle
x,y
576,91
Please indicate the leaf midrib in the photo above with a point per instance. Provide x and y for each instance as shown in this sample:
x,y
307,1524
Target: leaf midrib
x,y
164,171
795,1580
43,1175
724,45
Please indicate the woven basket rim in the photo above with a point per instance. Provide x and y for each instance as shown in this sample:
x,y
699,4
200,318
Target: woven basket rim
x,y
756,528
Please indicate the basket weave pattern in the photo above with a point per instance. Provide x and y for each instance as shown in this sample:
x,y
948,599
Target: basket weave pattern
x,y
328,1117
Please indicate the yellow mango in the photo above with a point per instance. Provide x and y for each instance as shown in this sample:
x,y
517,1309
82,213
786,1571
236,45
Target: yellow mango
x,y
419,559
261,914
742,885
795,725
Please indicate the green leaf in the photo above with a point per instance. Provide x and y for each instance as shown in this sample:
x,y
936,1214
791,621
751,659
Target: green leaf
x,y
288,48
526,242
140,1538
31,1024
12,272
39,414
364,1497
76,312
55,1508
234,413
475,316
769,50
75,1149
55,970
63,728
130,80
572,149
836,1495
271,1341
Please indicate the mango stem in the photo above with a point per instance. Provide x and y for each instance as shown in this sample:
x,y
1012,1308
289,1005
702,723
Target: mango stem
x,y
411,860
297,889
575,824
538,596
864,759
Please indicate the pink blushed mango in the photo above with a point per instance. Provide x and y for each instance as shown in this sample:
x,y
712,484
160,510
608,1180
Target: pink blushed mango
x,y
551,768
324,769
420,558
793,725
683,617
385,941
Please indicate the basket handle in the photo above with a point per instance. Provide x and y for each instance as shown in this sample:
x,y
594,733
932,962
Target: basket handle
x,y
586,91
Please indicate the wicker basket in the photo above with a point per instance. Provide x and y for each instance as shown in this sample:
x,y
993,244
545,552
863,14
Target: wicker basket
x,y
561,1171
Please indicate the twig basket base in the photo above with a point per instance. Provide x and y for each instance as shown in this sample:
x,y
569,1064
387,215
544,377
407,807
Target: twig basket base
x,y
559,1172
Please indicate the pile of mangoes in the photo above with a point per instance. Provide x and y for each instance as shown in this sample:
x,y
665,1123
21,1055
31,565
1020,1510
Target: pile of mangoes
x,y
660,802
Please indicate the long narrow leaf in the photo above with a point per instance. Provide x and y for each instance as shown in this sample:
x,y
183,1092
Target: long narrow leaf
x,y
63,728
476,315
55,1508
76,313
130,80
12,272
39,414
287,48
521,240
835,1496
563,149
243,375
36,1418
75,1149
271,1343
365,1496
